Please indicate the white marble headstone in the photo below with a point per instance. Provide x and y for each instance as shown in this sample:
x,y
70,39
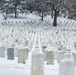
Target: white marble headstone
x,y
60,56
2,52
74,56
22,55
50,57
67,65
37,67
10,53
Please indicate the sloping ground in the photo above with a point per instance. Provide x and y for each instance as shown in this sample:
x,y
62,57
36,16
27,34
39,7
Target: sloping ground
x,y
11,67
65,27
63,23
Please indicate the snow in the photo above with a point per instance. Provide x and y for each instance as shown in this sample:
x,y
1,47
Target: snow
x,y
12,67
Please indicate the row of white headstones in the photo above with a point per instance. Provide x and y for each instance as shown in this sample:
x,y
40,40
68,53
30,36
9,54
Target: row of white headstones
x,y
67,64
37,56
21,33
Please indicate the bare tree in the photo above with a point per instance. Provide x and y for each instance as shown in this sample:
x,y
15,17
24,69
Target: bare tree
x,y
56,8
72,5
39,7
13,6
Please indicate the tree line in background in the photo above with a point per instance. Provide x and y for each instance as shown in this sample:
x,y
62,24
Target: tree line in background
x,y
55,8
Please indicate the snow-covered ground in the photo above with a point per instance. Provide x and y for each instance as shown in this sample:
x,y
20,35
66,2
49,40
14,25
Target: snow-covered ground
x,y
12,29
12,67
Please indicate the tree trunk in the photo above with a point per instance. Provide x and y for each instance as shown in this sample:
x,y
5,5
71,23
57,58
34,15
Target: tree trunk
x,y
15,12
42,17
55,18
52,13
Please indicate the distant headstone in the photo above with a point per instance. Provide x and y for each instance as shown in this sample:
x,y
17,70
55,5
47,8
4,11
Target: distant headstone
x,y
45,52
60,56
30,46
75,45
43,47
26,43
55,55
50,57
26,55
74,56
2,52
60,47
10,53
22,55
13,45
45,55
16,52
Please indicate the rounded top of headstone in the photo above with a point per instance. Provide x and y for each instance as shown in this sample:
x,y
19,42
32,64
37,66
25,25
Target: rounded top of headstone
x,y
37,51
26,47
67,53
